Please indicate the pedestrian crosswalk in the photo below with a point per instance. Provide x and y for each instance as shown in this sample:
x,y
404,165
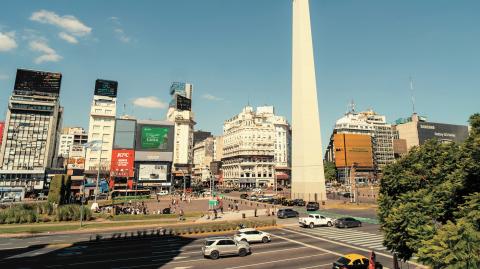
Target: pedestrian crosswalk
x,y
350,236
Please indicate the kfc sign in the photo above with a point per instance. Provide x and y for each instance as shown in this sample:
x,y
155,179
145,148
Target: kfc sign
x,y
122,163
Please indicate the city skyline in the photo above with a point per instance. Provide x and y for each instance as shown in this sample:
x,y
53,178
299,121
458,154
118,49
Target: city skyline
x,y
233,61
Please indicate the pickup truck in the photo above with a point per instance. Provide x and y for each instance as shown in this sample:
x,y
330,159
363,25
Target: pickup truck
x,y
315,220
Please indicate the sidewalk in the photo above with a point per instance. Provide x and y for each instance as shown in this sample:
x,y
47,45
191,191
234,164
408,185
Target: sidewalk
x,y
233,215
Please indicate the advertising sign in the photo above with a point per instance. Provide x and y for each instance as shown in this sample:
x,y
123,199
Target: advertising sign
x,y
183,103
106,87
28,81
154,137
122,163
148,172
76,163
442,132
124,137
353,148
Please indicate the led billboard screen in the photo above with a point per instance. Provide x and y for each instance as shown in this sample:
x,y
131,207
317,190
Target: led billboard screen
x,y
124,137
39,82
106,87
353,148
122,163
183,103
148,172
442,132
154,137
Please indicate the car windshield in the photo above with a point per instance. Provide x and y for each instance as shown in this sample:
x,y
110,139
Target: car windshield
x,y
343,260
208,243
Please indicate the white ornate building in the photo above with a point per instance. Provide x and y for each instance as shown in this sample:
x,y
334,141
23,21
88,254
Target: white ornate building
x,y
254,142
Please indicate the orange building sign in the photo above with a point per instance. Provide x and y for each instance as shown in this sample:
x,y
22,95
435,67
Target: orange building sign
x,y
353,148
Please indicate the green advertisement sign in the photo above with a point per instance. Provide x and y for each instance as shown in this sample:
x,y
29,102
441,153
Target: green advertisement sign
x,y
154,137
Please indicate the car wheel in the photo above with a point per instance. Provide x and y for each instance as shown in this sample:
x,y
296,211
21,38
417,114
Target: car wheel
x,y
214,255
311,225
329,224
265,239
242,252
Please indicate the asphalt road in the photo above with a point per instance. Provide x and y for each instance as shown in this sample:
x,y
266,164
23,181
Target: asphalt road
x,y
291,247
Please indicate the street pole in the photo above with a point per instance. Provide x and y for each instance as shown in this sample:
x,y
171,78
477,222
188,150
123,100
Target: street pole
x,y
275,181
82,189
98,172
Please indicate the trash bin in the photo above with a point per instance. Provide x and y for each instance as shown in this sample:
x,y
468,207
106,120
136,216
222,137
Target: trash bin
x,y
243,215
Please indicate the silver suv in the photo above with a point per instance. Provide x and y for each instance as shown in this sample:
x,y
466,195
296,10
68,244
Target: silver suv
x,y
214,247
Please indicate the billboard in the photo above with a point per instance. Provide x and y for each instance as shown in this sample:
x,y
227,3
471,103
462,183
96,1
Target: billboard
x,y
76,163
442,132
353,148
148,172
152,137
106,87
183,103
122,163
124,137
178,87
39,82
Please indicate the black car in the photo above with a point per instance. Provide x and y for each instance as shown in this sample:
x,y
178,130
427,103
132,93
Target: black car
x,y
243,196
347,223
287,202
299,202
313,206
226,191
286,213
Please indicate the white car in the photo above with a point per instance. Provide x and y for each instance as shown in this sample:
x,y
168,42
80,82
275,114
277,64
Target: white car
x,y
160,193
316,220
252,235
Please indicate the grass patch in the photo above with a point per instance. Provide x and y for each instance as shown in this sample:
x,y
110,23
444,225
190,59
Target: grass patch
x,y
159,216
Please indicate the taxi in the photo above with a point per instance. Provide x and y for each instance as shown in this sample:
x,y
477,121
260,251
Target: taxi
x,y
354,261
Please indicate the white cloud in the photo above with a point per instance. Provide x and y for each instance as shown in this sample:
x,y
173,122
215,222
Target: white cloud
x,y
211,97
69,38
121,35
68,23
149,102
48,54
7,41
3,77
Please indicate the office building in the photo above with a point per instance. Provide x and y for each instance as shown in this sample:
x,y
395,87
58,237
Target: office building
x,y
249,154
69,137
346,151
203,156
416,130
180,113
32,126
122,167
101,127
200,135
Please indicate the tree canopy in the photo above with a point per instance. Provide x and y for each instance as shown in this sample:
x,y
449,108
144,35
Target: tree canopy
x,y
426,198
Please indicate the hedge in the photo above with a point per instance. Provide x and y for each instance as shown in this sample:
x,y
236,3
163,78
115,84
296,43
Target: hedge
x,y
42,212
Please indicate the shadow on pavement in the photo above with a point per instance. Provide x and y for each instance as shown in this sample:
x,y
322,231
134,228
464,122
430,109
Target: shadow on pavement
x,y
145,248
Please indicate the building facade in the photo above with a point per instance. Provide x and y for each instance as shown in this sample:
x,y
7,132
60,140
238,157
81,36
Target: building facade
x,y
380,150
32,128
416,130
69,137
203,156
180,113
249,154
2,125
101,127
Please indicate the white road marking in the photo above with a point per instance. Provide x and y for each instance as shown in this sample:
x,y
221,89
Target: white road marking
x,y
289,259
180,257
345,245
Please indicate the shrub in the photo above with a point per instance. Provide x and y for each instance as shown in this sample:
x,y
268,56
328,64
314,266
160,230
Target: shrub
x,y
72,212
23,213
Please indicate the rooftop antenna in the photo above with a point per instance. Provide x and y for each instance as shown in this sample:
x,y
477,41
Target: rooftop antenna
x,y
412,93
351,107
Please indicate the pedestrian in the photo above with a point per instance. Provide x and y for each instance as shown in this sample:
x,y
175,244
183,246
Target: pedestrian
x,y
215,213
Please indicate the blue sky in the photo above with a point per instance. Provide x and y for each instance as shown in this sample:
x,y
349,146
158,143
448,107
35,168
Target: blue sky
x,y
235,52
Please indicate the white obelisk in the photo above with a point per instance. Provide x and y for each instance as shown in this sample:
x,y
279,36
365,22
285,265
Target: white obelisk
x,y
308,179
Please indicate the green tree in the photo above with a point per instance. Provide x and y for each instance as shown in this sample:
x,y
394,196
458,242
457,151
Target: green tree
x,y
330,171
422,192
456,245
